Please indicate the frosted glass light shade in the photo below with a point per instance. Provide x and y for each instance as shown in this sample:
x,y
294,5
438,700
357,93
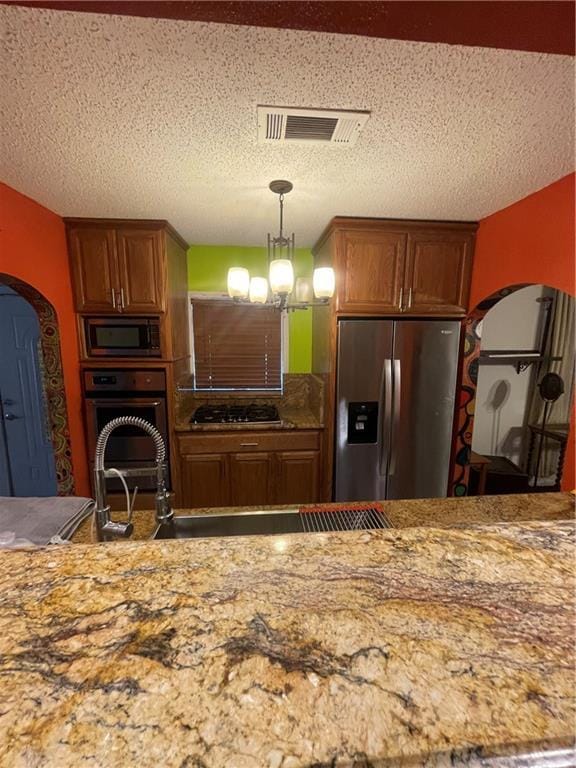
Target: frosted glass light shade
x,y
281,276
324,282
303,290
258,290
238,282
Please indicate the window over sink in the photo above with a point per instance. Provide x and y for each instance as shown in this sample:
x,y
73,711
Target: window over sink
x,y
236,346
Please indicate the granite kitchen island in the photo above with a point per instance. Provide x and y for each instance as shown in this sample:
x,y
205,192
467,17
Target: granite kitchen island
x,y
406,513
435,646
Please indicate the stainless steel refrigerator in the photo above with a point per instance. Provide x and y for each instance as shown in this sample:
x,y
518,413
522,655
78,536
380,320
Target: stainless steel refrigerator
x,y
396,387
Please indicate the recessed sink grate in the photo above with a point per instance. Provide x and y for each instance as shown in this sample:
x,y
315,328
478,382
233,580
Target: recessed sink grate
x,y
343,517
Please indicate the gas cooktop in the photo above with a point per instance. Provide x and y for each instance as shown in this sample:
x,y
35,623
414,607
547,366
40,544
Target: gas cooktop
x,y
235,414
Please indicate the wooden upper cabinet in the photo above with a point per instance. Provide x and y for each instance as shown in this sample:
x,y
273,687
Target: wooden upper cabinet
x,y
117,265
438,273
370,271
94,269
140,266
395,266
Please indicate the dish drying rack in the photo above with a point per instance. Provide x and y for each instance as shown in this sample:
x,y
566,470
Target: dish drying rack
x,y
345,516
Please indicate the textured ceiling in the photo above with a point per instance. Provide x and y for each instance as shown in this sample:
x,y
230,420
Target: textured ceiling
x,y
133,117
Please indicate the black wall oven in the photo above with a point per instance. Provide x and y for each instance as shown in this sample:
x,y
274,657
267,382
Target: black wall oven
x,y
122,336
112,393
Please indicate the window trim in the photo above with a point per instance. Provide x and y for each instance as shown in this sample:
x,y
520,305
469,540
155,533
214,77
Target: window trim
x,y
284,336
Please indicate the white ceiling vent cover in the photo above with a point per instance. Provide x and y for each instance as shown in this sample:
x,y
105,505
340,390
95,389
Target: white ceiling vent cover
x,y
288,125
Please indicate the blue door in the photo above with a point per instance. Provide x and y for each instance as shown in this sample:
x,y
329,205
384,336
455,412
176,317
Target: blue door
x,y
26,453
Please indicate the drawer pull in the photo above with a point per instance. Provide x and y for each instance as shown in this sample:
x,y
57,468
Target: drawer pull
x,y
248,445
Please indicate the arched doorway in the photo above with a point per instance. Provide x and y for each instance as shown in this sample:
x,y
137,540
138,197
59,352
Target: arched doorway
x,y
468,391
53,380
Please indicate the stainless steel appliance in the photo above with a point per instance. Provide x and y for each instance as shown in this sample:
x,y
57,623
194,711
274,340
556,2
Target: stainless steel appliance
x,y
122,336
396,387
235,414
111,394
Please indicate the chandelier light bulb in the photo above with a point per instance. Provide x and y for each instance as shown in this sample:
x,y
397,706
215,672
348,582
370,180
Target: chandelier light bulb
x,y
238,282
324,282
303,290
281,276
258,290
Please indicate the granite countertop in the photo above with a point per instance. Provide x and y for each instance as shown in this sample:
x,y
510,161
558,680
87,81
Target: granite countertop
x,y
414,646
440,513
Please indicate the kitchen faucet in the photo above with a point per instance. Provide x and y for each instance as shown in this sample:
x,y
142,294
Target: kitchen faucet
x,y
106,528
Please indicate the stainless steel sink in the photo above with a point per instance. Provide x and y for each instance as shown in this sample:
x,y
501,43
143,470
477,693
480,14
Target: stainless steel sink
x,y
262,523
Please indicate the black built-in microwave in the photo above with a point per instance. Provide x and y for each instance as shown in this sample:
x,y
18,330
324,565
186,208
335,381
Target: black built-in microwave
x,y
122,336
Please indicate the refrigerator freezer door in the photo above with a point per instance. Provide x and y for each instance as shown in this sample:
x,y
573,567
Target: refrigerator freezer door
x,y
363,409
425,365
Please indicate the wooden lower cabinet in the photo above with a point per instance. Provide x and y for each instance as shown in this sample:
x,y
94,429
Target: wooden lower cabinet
x,y
251,478
238,476
204,480
297,477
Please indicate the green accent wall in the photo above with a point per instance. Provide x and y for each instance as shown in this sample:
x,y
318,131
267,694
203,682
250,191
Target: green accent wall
x,y
208,269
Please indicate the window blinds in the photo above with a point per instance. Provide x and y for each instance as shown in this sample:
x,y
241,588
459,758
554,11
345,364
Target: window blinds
x,y
236,346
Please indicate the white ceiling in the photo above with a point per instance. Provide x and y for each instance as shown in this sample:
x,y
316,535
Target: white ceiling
x,y
133,117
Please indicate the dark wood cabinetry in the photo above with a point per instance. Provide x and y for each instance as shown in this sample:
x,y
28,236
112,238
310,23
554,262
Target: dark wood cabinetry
x,y
204,479
297,477
94,268
251,478
251,468
371,271
439,267
389,267
137,268
121,266
140,270
131,267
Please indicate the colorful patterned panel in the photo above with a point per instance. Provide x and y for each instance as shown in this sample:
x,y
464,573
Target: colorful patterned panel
x,y
53,381
467,399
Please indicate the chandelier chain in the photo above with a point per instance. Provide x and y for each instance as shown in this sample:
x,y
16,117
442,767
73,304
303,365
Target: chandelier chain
x,y
281,214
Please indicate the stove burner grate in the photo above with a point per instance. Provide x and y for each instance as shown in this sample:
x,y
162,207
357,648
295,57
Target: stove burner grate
x,y
235,414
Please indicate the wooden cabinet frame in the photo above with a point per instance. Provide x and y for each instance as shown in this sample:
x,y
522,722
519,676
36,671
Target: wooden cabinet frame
x,y
131,288
258,467
133,267
380,269
413,294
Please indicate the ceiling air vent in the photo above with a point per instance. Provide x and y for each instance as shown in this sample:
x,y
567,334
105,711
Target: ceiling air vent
x,y
286,125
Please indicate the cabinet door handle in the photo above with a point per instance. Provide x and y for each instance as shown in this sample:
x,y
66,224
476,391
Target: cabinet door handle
x,y
401,301
113,292
409,297
248,445
122,298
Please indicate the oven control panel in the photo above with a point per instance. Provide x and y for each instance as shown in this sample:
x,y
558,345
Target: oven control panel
x,y
104,380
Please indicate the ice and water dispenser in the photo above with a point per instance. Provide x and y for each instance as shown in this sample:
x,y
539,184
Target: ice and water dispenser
x,y
362,423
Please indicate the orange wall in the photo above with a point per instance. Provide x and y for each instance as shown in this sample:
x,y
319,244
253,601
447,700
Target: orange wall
x,y
33,249
531,241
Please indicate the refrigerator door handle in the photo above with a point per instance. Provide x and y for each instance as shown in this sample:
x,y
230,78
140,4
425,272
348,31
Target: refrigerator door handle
x,y
386,406
397,390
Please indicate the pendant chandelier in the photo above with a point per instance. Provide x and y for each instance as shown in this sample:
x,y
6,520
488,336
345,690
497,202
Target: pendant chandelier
x,y
281,281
